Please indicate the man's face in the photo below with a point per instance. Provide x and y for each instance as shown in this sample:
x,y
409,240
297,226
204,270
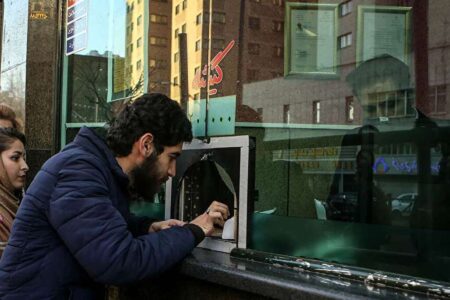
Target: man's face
x,y
147,178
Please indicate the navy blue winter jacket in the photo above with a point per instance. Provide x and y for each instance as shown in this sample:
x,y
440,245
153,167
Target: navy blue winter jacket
x,y
73,231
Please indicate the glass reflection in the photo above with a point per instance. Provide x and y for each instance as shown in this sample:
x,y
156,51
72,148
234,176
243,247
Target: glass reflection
x,y
112,67
14,54
352,154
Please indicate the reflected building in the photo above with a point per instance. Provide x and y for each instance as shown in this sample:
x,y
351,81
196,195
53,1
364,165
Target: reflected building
x,y
159,45
135,45
331,101
90,87
239,54
192,18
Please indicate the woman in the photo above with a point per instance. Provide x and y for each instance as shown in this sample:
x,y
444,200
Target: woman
x,y
13,169
8,118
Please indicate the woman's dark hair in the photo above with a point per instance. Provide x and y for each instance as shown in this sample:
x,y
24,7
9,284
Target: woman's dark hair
x,y
7,113
153,113
9,136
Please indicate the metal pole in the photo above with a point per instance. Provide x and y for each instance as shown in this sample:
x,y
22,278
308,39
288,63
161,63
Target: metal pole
x,y
182,44
208,68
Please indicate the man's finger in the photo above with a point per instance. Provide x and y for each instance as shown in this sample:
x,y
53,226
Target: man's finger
x,y
222,208
217,218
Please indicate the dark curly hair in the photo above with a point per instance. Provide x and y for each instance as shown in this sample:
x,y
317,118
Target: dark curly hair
x,y
9,136
153,113
8,114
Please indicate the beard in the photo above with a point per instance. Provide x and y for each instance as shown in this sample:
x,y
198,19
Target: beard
x,y
144,179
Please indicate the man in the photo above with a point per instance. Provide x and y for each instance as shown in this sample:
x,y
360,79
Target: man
x,y
381,85
73,231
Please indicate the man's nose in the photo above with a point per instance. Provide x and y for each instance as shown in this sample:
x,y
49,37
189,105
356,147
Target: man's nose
x,y
172,170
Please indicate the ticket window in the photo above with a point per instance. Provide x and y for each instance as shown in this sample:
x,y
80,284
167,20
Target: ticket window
x,y
221,169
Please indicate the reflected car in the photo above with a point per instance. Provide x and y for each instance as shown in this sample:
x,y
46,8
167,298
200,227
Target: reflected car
x,y
342,206
402,205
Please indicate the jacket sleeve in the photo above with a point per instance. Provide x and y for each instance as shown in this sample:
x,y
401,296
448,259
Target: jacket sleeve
x,y
97,235
139,225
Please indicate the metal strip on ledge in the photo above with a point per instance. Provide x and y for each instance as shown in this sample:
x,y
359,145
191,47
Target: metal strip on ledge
x,y
367,276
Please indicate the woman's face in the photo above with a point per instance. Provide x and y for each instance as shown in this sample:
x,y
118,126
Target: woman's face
x,y
15,165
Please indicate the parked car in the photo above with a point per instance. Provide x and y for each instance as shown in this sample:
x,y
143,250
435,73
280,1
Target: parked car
x,y
402,205
342,206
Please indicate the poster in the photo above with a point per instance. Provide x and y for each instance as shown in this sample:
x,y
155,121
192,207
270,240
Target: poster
x,y
384,30
311,39
76,26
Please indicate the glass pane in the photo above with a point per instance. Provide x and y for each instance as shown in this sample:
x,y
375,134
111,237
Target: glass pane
x,y
112,67
14,55
347,101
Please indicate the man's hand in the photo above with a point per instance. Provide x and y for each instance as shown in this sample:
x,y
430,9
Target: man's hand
x,y
157,226
219,207
216,214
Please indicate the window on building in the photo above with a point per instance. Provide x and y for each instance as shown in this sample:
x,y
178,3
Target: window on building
x,y
286,113
157,63
139,20
198,45
175,80
389,104
176,57
177,31
218,17
278,51
158,41
158,19
349,109
254,23
346,8
138,42
217,43
198,19
252,74
438,99
197,96
183,28
345,40
278,2
277,26
138,65
131,26
177,9
316,112
253,48
184,4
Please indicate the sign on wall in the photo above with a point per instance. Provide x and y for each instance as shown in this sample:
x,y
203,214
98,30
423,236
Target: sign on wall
x,y
201,79
310,39
76,26
384,30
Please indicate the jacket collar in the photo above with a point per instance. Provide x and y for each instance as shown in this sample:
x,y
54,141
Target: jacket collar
x,y
90,140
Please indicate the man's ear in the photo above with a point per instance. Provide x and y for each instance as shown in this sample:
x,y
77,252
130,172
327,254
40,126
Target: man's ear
x,y
145,143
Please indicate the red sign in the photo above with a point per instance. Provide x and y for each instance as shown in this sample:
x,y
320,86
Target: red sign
x,y
215,74
72,3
